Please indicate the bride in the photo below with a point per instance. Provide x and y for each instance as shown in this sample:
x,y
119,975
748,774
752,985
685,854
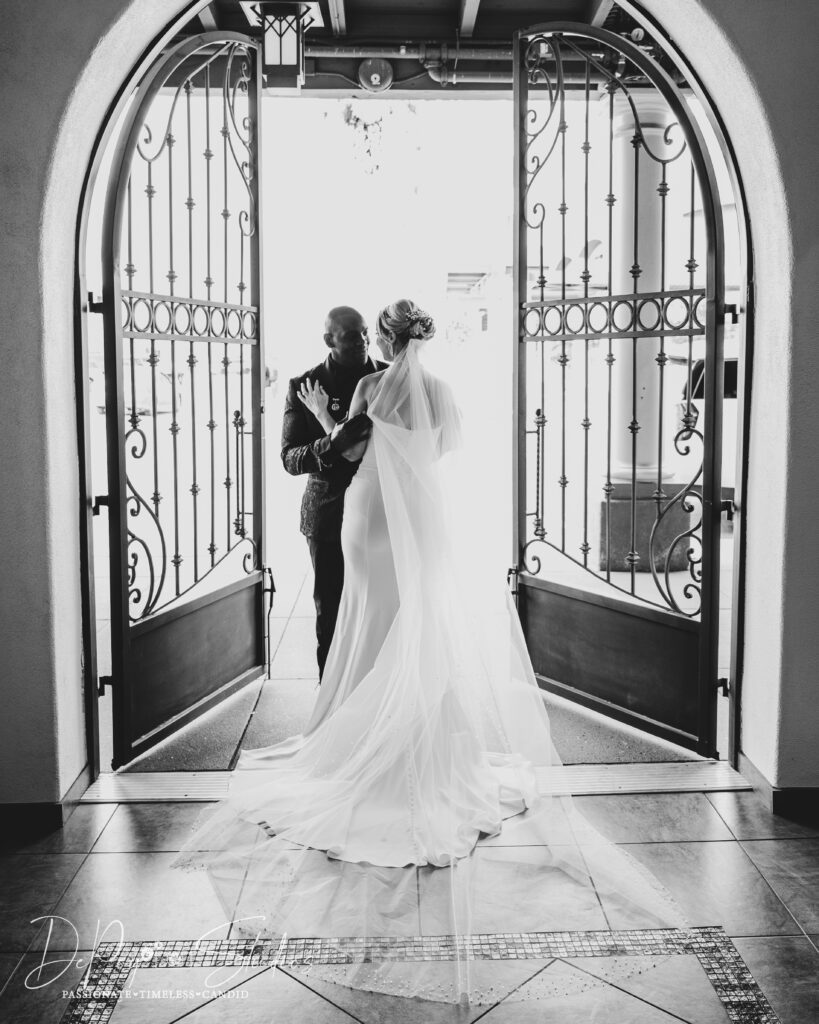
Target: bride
x,y
387,816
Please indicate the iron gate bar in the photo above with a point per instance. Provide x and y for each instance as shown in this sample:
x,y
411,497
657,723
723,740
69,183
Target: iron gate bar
x,y
585,276
638,315
608,488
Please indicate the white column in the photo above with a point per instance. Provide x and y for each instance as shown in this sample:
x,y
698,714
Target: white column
x,y
654,116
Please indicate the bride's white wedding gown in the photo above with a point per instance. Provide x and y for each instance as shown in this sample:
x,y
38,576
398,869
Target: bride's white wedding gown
x,y
405,759
428,732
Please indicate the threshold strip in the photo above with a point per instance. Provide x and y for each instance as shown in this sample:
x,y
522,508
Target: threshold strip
x,y
571,779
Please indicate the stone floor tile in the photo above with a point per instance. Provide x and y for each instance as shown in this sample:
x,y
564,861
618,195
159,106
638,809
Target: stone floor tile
x,y
676,984
787,970
747,817
550,824
36,988
248,996
78,835
792,868
150,827
653,817
33,884
295,657
139,890
714,884
284,708
542,1000
376,1008
513,889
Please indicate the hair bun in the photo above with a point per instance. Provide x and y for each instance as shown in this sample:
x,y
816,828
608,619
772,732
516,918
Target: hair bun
x,y
405,319
420,324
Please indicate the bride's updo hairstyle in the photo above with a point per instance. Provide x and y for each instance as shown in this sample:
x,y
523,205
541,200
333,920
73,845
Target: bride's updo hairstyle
x,y
403,321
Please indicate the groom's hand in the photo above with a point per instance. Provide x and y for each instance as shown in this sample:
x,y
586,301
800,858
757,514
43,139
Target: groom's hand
x,y
350,435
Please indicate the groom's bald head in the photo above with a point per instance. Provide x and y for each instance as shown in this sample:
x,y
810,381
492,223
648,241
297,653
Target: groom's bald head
x,y
341,316
345,334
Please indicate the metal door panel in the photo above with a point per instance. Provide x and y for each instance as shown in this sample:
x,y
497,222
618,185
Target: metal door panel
x,y
183,362
641,665
184,655
619,285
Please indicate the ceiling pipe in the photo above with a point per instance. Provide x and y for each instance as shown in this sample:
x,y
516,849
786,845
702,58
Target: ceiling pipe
x,y
443,75
446,76
435,58
422,52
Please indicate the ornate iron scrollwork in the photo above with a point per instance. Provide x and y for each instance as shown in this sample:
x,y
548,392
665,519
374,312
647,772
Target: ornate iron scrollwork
x,y
587,336
190,216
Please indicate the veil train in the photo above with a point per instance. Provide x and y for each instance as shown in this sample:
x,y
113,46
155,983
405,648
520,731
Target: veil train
x,y
415,824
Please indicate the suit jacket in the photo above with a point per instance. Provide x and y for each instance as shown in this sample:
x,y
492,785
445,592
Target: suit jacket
x,y
306,448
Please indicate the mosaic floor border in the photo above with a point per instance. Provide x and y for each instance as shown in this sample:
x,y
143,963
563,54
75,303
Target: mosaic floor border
x,y
740,995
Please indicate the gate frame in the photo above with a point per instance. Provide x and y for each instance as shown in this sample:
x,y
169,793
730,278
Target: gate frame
x,y
83,307
714,321
121,627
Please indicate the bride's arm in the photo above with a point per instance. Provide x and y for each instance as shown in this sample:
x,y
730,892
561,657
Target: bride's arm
x,y
358,406
361,396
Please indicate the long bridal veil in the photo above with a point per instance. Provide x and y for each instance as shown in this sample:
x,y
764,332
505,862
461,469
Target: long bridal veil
x,y
418,825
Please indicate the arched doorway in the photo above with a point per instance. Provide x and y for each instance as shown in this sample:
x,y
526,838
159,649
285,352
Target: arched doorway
x,y
122,584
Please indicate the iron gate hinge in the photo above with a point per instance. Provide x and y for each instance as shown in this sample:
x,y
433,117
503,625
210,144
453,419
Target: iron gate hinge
x,y
731,311
99,501
94,303
102,682
729,508
724,685
512,578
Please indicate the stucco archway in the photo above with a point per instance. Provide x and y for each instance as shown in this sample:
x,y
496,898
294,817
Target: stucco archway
x,y
80,43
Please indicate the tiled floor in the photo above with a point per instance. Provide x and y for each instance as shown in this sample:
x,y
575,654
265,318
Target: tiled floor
x,y
723,857
106,877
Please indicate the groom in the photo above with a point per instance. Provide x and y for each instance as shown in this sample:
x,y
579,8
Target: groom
x,y
307,449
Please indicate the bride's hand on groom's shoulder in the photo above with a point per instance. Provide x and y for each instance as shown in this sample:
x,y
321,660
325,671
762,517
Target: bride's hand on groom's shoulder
x,y
313,396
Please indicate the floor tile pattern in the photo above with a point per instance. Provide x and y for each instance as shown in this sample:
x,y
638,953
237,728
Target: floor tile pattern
x,y
741,997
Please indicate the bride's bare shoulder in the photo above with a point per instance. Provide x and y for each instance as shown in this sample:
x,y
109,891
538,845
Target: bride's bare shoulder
x,y
364,390
367,384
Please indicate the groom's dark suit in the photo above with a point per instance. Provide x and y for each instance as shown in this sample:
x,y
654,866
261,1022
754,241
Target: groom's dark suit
x,y
307,449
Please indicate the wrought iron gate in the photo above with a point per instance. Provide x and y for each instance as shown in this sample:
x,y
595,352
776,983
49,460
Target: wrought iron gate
x,y
619,285
183,365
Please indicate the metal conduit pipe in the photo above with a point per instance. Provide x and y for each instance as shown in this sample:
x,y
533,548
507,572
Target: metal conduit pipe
x,y
422,52
445,76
